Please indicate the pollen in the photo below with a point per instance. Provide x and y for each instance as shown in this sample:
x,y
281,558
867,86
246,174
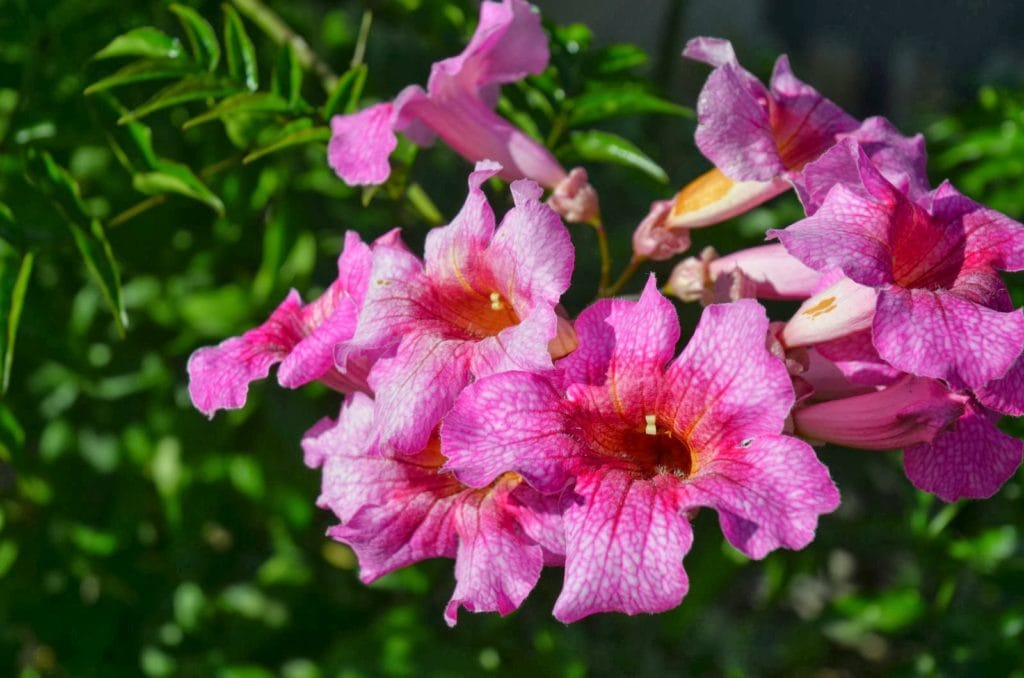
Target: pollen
x,y
496,303
652,426
826,305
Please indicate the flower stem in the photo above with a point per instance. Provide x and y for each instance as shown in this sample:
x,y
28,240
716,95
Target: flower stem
x,y
604,253
631,268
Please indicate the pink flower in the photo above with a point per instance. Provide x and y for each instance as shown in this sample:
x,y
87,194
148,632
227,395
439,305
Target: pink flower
x,y
765,272
645,440
396,510
300,337
760,138
508,45
941,309
483,302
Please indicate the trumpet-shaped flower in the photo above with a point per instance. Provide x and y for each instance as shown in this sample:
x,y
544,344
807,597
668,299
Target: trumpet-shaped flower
x,y
765,272
940,309
484,301
396,510
760,138
457,106
300,337
644,440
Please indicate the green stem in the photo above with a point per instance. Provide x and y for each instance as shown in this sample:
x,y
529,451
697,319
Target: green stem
x,y
137,209
281,33
631,268
364,34
604,253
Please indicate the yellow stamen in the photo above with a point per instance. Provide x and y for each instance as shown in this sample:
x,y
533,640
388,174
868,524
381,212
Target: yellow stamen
x,y
652,425
496,302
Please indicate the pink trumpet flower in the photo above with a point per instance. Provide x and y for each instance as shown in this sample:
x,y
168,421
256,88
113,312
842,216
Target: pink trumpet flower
x,y
300,337
484,301
941,309
765,272
760,138
396,510
644,440
457,106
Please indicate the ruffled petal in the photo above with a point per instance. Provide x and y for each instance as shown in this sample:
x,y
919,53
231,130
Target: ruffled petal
x,y
361,144
1005,394
768,490
625,542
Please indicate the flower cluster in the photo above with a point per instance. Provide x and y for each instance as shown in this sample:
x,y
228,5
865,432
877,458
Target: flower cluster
x,y
481,422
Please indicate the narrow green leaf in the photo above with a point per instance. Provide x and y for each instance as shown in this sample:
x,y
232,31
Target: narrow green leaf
x,y
615,102
192,88
132,142
597,146
143,42
201,36
287,82
174,177
55,181
15,271
298,137
246,102
143,71
240,51
346,93
12,435
619,57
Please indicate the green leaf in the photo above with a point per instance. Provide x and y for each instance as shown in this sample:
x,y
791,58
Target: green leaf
x,y
201,36
246,102
143,71
618,57
12,434
287,82
174,177
306,135
597,146
615,102
193,88
132,142
346,93
57,184
144,42
15,272
240,51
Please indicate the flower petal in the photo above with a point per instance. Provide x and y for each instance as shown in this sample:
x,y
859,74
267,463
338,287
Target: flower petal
x,y
942,335
625,544
1006,394
361,144
972,460
768,491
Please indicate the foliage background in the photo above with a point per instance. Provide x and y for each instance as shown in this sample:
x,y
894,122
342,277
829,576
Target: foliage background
x,y
137,537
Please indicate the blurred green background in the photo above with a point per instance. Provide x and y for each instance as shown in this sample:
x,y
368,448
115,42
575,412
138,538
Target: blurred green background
x,y
136,537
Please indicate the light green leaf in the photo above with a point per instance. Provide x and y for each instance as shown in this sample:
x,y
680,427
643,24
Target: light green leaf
x,y
192,88
619,57
201,36
144,71
144,42
246,102
174,177
597,146
297,137
346,93
15,272
240,51
287,82
615,102
57,184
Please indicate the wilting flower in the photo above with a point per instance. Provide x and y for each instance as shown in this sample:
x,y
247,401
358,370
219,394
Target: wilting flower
x,y
484,301
644,440
760,138
941,310
300,337
765,272
457,106
398,509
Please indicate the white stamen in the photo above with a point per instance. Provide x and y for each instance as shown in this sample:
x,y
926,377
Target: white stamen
x,y
652,425
496,303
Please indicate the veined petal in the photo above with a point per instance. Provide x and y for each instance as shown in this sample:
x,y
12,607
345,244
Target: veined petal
x,y
219,376
768,492
453,251
970,461
625,542
392,305
588,364
726,386
509,422
942,335
361,144
1005,394
776,273
991,240
712,51
523,346
856,357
